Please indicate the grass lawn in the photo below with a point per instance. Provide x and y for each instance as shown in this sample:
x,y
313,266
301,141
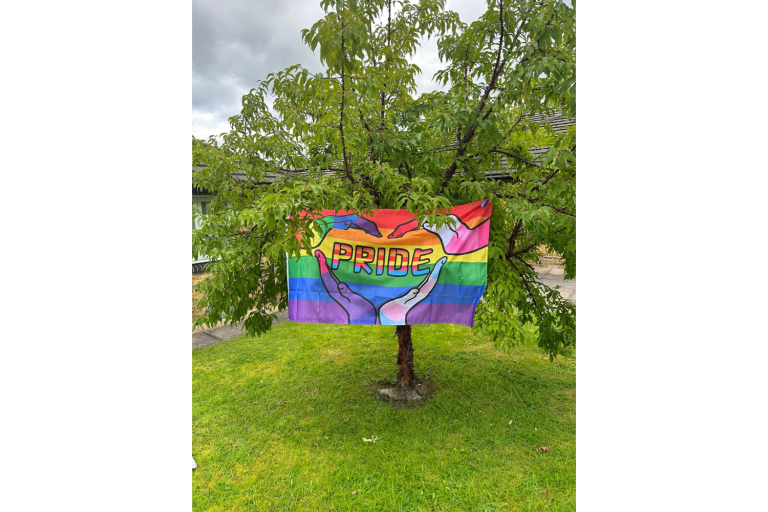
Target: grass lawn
x,y
279,422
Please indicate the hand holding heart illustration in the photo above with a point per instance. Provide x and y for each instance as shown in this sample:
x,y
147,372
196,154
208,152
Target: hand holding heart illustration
x,y
345,222
395,312
360,311
456,237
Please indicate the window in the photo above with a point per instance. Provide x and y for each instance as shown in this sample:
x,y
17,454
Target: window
x,y
200,203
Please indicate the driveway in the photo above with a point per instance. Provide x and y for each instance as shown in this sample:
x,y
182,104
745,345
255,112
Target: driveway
x,y
552,276
226,332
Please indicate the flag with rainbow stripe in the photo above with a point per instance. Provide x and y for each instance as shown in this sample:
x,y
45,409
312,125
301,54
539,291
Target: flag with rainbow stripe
x,y
388,269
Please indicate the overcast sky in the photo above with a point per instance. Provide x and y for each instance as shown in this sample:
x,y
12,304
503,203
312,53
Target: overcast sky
x,y
237,42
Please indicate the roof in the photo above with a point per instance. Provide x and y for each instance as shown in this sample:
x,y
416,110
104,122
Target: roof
x,y
559,123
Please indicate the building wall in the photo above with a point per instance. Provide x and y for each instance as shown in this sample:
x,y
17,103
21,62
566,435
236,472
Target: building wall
x,y
549,259
196,278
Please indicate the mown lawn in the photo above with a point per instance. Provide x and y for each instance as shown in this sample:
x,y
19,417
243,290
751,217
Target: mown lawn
x,y
279,422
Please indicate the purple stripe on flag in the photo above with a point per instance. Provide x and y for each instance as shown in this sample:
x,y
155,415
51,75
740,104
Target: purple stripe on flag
x,y
315,312
424,313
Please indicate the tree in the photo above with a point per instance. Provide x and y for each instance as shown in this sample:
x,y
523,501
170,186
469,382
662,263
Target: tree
x,y
355,136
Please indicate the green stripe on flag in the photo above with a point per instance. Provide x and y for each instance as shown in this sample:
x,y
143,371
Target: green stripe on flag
x,y
456,272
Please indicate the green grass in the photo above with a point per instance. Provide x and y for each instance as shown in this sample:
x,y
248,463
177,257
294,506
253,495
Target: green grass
x,y
301,446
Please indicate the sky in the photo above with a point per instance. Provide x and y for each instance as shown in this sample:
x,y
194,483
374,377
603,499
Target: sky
x,y
235,43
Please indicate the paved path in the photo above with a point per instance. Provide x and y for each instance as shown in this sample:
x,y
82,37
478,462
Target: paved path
x,y
226,332
550,276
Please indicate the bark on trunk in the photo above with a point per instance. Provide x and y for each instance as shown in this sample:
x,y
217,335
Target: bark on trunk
x,y
406,379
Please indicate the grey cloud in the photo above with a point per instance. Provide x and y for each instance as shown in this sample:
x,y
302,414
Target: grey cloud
x,y
235,43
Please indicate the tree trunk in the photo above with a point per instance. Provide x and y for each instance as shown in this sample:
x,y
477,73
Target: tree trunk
x,y
406,379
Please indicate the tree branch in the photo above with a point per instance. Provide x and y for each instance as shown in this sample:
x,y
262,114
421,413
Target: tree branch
x,y
341,115
491,85
521,159
523,112
523,251
561,210
389,43
513,237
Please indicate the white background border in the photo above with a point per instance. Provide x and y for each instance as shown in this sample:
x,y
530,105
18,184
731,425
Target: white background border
x,y
671,340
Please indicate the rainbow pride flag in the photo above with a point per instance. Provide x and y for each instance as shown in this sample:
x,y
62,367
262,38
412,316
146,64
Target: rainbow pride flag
x,y
387,269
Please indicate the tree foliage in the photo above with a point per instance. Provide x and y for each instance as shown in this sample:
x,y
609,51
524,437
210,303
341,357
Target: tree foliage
x,y
356,137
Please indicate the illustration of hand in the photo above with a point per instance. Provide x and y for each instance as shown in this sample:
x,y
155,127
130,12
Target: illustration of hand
x,y
359,310
344,222
456,239
395,311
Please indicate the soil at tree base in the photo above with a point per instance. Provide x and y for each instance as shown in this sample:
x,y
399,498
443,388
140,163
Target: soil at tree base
x,y
399,397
